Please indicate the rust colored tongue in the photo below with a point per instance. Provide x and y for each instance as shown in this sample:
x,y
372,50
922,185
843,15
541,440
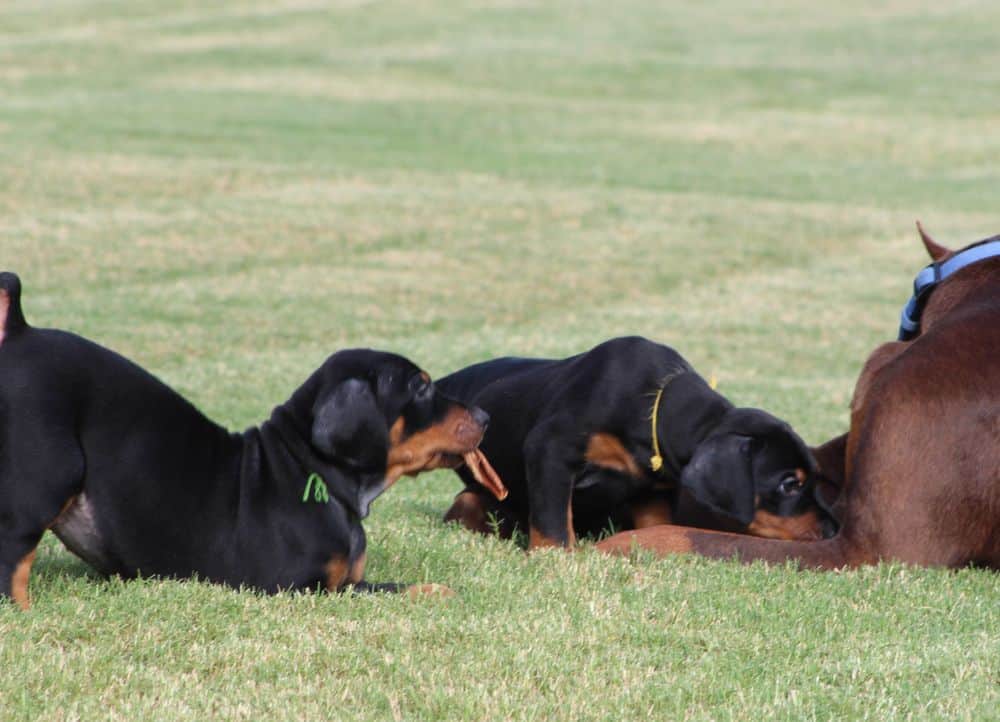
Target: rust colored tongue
x,y
484,473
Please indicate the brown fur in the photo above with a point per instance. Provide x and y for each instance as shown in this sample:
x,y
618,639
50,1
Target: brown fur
x,y
921,471
430,448
651,510
356,573
537,540
19,581
22,572
4,309
935,251
469,511
771,526
607,451
336,574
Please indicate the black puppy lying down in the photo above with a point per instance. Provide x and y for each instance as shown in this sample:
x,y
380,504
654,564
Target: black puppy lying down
x,y
628,432
135,480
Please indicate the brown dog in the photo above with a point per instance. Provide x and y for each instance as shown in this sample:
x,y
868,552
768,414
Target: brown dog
x,y
921,462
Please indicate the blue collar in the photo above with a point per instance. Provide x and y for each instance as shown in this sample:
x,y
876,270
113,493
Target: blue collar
x,y
932,275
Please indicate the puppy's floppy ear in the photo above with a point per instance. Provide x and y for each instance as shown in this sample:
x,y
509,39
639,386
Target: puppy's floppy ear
x,y
348,426
761,425
722,474
720,477
811,465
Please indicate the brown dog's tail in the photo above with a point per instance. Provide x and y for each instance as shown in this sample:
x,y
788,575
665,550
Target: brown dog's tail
x,y
11,316
669,539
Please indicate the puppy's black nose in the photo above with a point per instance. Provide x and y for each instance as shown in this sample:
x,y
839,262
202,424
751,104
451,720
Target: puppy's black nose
x,y
480,417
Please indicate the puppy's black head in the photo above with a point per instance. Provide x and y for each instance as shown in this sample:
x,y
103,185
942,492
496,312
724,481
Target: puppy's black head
x,y
755,472
379,416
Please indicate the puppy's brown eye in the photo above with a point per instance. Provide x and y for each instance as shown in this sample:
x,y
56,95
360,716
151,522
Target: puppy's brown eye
x,y
424,389
790,485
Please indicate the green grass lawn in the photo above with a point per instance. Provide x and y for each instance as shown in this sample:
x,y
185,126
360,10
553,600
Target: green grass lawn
x,y
227,192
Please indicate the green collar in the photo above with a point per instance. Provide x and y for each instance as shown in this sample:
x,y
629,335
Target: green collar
x,y
316,485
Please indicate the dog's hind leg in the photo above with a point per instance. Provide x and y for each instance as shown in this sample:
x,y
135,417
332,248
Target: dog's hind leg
x,y
17,553
41,471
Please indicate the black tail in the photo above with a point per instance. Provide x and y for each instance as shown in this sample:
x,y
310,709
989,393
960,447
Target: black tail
x,y
11,316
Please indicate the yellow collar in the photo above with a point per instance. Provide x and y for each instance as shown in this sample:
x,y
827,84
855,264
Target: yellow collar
x,y
656,460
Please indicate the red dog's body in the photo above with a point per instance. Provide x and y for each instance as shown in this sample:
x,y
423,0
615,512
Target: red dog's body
x,y
921,462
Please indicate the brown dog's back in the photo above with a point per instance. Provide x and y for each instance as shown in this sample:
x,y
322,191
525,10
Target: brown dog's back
x,y
926,449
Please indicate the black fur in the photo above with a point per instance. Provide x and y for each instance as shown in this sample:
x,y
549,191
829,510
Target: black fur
x,y
156,488
721,464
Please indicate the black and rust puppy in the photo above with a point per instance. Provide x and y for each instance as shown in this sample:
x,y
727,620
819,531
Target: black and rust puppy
x,y
919,469
629,432
135,480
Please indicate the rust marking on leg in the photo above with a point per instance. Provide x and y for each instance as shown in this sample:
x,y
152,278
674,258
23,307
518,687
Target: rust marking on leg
x,y
19,581
4,310
65,508
356,573
336,573
538,540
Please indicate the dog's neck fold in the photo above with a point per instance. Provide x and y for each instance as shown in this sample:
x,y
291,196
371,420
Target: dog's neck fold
x,y
688,411
291,461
